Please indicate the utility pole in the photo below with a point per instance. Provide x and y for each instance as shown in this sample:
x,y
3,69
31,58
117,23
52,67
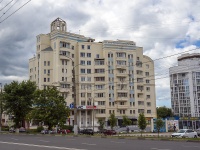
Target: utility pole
x,y
75,108
1,109
93,115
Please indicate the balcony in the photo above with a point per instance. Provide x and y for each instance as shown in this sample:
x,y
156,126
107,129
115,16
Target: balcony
x,y
65,57
100,115
122,99
122,106
101,107
121,67
124,90
121,74
62,90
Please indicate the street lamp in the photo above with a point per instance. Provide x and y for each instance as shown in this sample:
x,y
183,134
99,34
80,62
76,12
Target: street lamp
x,y
1,108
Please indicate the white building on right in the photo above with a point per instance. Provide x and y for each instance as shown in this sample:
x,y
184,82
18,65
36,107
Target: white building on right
x,y
185,86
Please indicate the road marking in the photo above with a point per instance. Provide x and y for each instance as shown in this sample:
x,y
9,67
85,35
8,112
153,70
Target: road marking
x,y
160,149
117,142
14,139
87,144
43,141
33,145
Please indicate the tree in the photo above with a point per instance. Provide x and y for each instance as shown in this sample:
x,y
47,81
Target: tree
x,y
126,121
101,124
50,107
18,100
163,112
113,120
142,122
159,124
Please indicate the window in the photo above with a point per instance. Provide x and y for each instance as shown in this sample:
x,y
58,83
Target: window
x,y
82,46
44,79
72,55
82,94
88,78
148,111
45,63
147,66
148,88
82,78
88,62
44,71
89,71
48,63
97,56
147,81
88,47
82,54
88,54
130,111
148,103
147,73
82,70
148,96
48,79
72,47
82,62
64,44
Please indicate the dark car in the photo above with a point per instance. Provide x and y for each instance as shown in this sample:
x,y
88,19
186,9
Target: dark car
x,y
87,131
109,132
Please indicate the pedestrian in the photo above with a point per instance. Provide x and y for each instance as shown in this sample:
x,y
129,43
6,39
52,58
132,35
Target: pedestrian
x,y
127,129
174,128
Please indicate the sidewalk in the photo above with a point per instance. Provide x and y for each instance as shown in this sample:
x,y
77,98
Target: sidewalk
x,y
168,134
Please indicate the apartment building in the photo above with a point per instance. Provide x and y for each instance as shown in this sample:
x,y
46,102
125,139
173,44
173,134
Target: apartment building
x,y
111,76
185,86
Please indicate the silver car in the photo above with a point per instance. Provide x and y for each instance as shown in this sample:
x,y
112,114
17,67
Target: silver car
x,y
198,131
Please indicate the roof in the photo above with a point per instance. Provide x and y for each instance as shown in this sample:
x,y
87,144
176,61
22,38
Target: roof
x,y
48,49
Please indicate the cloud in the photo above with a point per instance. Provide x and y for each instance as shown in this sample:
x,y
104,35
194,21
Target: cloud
x,y
162,28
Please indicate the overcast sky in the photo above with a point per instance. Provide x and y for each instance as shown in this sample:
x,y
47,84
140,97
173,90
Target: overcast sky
x,y
162,27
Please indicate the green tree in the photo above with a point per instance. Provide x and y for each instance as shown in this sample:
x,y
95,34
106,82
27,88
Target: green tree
x,y
18,100
142,124
163,112
159,124
113,120
101,124
126,121
50,107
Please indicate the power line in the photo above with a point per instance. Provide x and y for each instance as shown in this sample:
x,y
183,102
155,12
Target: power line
x,y
6,5
145,62
8,9
15,11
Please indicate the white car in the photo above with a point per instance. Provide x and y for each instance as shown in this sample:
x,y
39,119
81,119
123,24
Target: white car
x,y
185,133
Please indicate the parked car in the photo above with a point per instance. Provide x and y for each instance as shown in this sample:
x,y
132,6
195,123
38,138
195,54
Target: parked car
x,y
86,131
185,133
21,130
198,131
109,132
63,131
45,131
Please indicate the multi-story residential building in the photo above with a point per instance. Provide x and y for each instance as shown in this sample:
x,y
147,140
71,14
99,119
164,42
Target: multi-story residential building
x,y
115,75
185,86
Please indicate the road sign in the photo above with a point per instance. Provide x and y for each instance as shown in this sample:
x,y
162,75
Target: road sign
x,y
71,105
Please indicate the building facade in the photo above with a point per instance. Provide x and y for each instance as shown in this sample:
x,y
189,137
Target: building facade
x,y
185,86
111,76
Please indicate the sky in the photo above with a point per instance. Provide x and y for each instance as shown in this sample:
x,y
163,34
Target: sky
x,y
164,28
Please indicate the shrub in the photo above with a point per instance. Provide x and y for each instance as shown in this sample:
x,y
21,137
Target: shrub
x,y
40,128
69,127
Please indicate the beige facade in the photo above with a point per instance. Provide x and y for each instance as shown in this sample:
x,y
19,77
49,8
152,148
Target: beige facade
x,y
115,75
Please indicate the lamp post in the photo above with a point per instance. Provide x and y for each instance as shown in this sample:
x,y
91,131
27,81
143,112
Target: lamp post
x,y
1,108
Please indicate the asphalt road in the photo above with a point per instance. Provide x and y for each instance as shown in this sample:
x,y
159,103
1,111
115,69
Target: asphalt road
x,y
46,142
